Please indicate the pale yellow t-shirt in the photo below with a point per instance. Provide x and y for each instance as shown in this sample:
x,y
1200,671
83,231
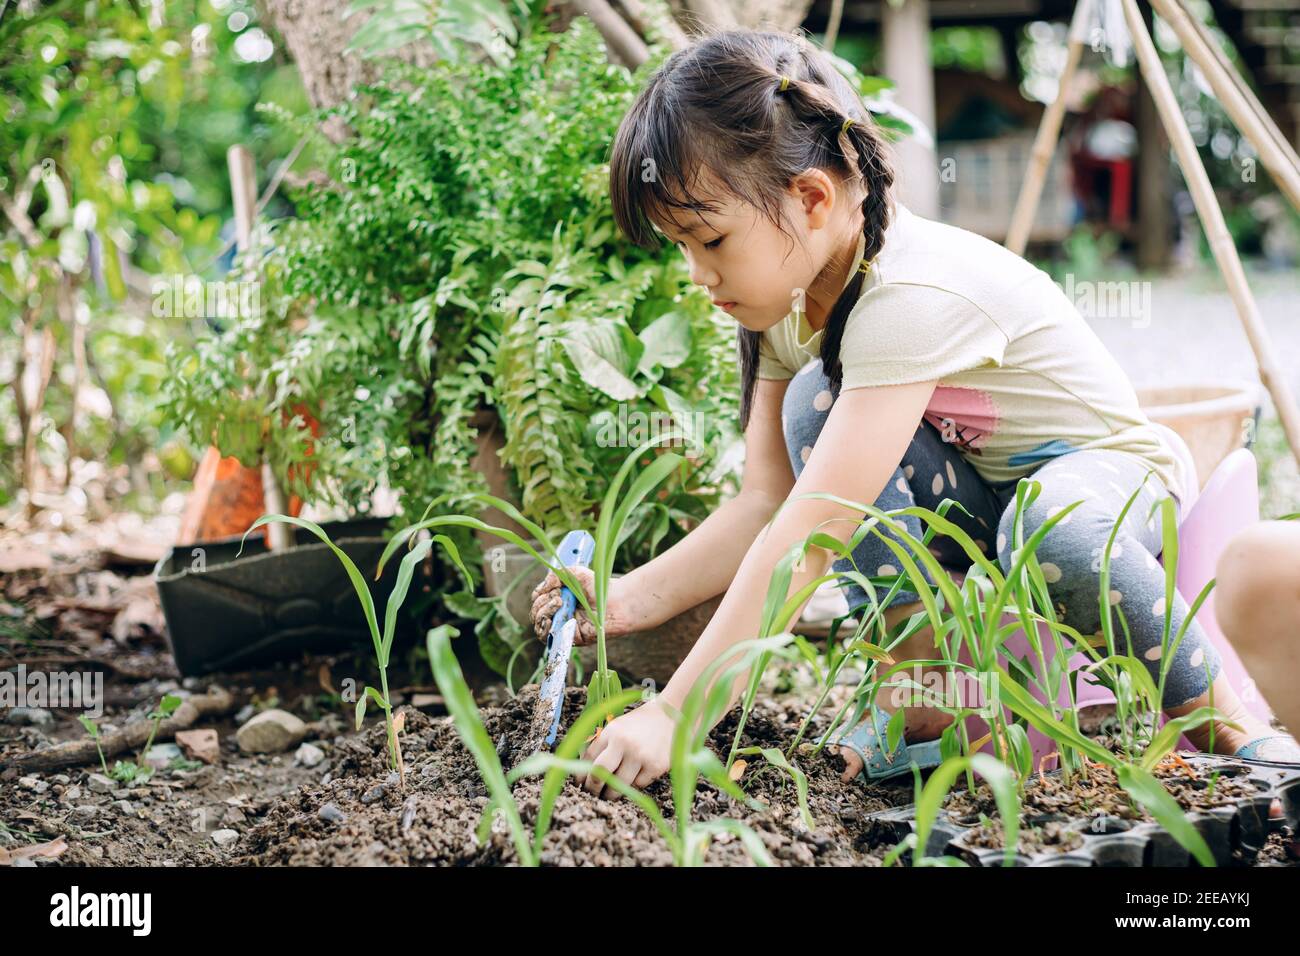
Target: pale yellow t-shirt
x,y
1022,377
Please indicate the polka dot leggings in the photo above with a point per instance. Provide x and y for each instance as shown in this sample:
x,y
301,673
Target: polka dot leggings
x,y
1071,553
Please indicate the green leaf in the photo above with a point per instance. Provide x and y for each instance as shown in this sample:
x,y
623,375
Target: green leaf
x,y
778,759
469,725
667,342
1148,791
606,355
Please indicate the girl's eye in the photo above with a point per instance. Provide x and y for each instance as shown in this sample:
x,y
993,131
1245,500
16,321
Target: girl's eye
x,y
715,243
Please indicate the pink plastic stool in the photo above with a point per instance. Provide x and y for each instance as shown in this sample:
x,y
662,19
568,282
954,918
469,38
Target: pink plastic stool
x,y
1229,502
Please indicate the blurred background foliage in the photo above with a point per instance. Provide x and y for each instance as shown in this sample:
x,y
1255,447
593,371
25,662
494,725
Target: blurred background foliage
x,y
116,121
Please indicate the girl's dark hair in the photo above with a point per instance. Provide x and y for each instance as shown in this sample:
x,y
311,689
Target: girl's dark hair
x,y
718,105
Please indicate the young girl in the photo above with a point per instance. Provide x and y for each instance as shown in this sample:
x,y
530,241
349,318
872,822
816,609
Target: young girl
x,y
884,358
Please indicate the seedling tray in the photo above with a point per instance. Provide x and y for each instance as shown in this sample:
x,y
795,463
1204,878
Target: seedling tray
x,y
230,613
1243,825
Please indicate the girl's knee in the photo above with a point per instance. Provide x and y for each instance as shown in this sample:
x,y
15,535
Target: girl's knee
x,y
1076,541
804,410
1259,568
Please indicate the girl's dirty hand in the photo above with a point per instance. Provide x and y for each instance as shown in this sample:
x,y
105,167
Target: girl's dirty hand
x,y
546,601
636,748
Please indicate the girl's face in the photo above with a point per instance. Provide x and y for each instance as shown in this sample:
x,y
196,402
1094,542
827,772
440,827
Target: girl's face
x,y
748,265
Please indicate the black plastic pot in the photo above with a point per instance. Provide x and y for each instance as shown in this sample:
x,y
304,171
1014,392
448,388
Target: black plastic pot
x,y
1241,826
227,613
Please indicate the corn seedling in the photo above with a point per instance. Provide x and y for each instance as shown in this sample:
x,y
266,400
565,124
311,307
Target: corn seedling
x,y
691,758
382,640
469,726
929,799
615,511
973,615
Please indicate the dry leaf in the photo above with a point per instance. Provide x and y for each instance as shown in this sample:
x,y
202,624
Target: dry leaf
x,y
51,849
399,722
737,770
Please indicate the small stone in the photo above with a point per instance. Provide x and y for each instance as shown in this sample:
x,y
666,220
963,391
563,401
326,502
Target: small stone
x,y
408,813
308,755
35,716
201,745
224,837
245,713
271,731
393,779
33,783
23,861
160,756
61,778
234,816
70,794
124,806
98,783
331,813
373,794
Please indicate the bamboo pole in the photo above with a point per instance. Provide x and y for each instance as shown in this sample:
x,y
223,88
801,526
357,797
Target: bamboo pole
x,y
243,191
1049,133
1283,143
1216,230
1248,121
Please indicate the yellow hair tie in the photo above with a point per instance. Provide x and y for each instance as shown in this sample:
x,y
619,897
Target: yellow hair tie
x,y
785,83
864,266
847,123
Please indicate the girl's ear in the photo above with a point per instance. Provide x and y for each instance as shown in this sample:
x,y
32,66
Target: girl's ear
x,y
816,194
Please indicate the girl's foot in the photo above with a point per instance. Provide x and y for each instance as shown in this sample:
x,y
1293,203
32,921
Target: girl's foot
x,y
1269,744
919,725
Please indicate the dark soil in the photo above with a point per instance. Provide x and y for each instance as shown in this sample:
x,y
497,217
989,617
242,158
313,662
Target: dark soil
x,y
1100,795
1055,835
1054,815
98,613
372,820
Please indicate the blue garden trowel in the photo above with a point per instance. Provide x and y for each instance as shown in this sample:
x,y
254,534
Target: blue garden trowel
x,y
577,548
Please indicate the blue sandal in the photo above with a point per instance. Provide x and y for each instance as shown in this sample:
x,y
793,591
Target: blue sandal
x,y
869,741
1290,757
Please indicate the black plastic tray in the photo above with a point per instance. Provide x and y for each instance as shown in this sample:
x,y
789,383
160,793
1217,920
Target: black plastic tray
x,y
1242,826
226,613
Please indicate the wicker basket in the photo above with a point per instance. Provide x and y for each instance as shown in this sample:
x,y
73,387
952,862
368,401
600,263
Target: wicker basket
x,y
1214,420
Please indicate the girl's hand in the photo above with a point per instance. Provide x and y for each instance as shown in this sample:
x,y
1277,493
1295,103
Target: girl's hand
x,y
636,748
546,601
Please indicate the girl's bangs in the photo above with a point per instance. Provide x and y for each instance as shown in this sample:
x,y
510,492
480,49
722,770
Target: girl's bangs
x,y
652,170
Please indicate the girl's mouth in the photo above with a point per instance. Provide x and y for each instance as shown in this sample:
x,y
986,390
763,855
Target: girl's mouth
x,y
725,306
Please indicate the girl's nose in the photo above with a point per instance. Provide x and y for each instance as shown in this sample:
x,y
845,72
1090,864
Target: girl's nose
x,y
700,275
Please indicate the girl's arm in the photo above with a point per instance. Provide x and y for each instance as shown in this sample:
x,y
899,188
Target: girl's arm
x,y
704,562
859,447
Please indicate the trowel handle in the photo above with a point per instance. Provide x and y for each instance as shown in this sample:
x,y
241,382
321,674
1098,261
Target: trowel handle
x,y
577,548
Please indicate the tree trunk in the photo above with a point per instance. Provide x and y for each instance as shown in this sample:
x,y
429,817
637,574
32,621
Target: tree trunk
x,y
316,34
